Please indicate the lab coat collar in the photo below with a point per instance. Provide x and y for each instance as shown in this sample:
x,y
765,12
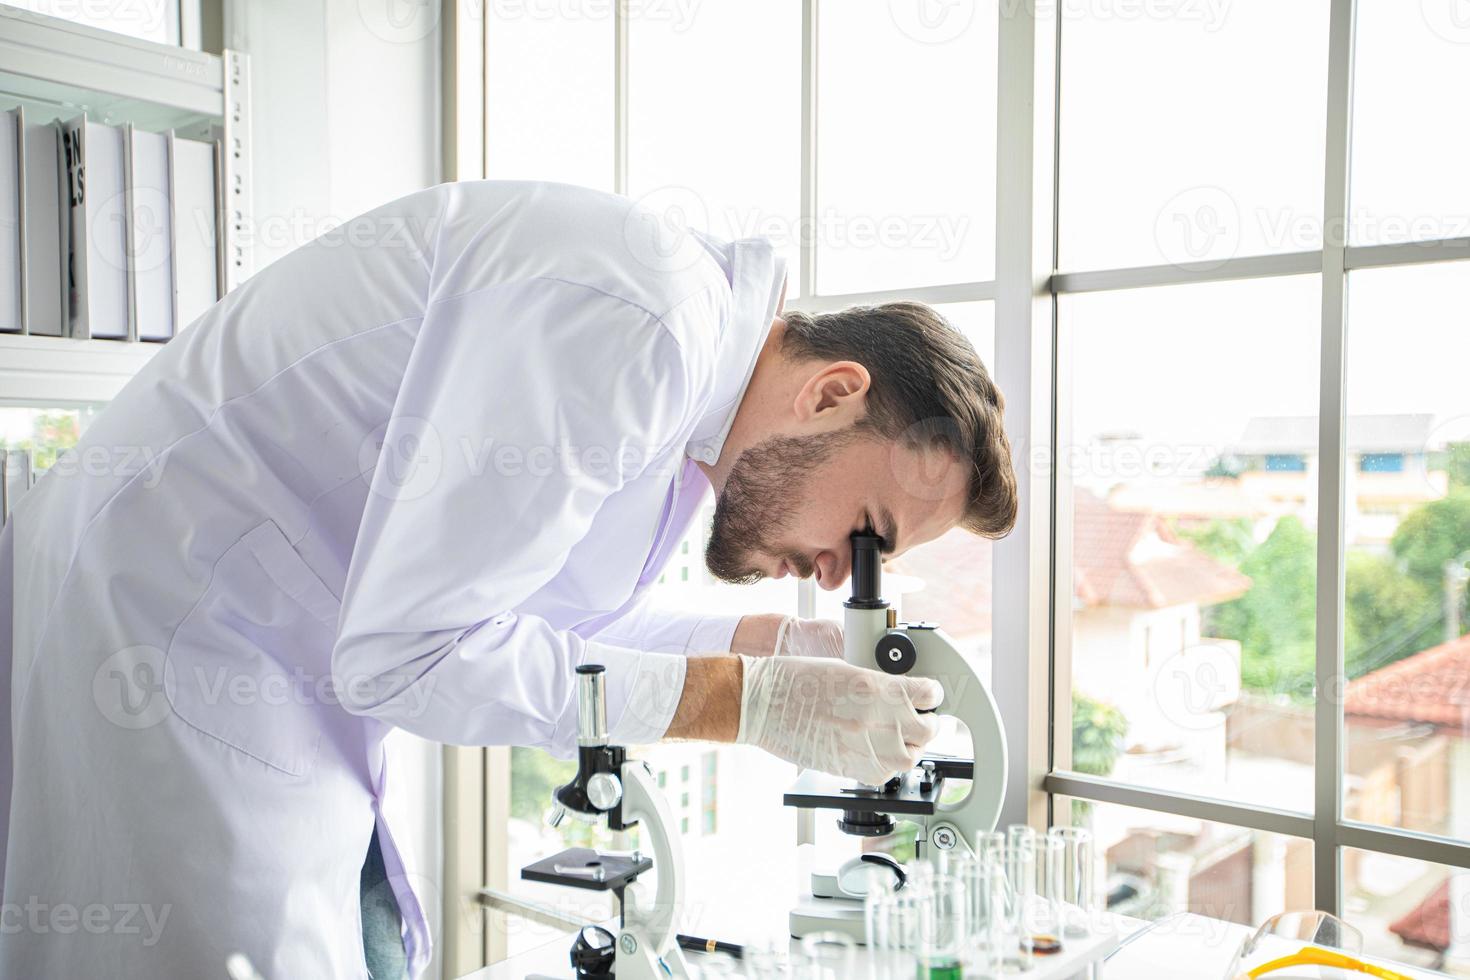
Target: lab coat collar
x,y
756,276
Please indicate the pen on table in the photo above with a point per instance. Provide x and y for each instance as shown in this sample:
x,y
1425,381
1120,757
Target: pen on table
x,y
710,946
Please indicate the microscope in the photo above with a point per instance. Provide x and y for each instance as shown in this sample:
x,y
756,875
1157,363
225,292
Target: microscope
x,y
874,638
623,790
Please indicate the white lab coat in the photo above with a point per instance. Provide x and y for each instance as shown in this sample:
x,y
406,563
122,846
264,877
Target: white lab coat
x,y
409,475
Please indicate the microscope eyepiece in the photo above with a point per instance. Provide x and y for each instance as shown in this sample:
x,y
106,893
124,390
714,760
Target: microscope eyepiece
x,y
591,705
867,571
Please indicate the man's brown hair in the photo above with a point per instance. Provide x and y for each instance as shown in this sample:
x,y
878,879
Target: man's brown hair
x,y
929,390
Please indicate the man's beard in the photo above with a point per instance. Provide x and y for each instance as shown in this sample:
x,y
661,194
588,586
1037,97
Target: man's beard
x,y
757,503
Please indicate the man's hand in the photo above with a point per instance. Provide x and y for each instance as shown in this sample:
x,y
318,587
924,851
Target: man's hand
x,y
809,638
762,635
821,713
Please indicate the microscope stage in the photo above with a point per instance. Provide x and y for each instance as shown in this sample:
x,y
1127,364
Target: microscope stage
x,y
582,867
817,790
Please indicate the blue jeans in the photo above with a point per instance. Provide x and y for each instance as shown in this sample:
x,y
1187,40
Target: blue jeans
x,y
382,924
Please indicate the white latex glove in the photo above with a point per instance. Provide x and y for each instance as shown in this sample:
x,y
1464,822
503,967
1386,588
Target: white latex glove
x,y
826,714
809,638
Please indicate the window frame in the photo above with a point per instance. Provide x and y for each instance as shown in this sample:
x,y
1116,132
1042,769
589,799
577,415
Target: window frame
x,y
1031,622
1327,829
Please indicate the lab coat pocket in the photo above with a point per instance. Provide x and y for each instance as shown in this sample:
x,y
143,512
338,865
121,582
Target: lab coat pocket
x,y
250,664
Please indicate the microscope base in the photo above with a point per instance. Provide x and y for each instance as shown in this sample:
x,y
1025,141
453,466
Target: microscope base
x,y
841,915
643,963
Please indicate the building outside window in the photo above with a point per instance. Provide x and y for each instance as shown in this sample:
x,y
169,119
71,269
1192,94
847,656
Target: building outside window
x,y
709,789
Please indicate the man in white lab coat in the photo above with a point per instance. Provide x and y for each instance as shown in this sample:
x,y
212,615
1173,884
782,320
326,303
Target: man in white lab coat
x,y
411,475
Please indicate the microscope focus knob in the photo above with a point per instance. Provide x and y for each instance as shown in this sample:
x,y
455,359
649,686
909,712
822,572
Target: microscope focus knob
x,y
896,654
604,790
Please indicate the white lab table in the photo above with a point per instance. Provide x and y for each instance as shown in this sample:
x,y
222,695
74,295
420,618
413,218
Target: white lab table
x,y
766,926
1182,947
550,961
1192,946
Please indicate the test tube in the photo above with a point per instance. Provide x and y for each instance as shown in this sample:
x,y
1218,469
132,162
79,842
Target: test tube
x,y
766,961
991,845
1046,924
982,881
1020,834
1019,894
1078,895
892,920
942,925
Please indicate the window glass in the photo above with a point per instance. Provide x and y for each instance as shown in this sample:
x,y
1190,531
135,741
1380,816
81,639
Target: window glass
x,y
1408,548
1411,122
44,431
549,101
706,153
1192,552
905,145
1157,864
1191,132
148,20
1408,911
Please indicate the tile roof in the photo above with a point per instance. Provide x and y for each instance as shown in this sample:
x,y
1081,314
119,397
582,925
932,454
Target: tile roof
x,y
1197,501
956,571
1131,559
1427,925
1120,558
1432,686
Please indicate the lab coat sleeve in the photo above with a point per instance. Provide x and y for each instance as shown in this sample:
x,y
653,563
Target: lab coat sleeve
x,y
649,626
523,407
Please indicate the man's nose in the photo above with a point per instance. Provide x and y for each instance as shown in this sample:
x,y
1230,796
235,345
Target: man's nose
x,y
832,570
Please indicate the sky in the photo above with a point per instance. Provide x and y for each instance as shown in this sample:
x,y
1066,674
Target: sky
x,y
1194,135
1200,137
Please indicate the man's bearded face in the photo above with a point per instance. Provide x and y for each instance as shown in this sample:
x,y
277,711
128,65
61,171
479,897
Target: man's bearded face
x,y
754,509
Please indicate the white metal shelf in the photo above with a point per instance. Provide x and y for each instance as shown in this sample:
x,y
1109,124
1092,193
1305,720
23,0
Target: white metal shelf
x,y
59,69
49,63
59,369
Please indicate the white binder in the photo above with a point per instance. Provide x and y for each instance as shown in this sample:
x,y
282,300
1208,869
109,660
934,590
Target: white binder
x,y
150,234
43,228
11,320
98,290
196,221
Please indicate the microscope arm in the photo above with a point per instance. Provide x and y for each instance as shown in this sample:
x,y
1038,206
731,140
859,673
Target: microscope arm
x,y
642,802
967,698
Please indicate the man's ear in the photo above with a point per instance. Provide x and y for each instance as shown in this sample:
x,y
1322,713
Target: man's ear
x,y
837,391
